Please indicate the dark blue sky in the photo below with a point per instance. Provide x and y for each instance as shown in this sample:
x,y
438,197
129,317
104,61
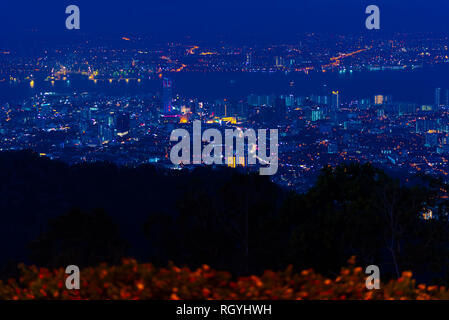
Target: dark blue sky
x,y
233,18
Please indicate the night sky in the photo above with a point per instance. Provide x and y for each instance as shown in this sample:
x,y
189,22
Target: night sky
x,y
206,19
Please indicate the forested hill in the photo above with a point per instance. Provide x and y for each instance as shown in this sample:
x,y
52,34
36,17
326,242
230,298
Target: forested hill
x,y
53,214
35,189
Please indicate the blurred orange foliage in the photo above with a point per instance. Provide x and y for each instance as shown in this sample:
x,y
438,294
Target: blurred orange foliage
x,y
132,280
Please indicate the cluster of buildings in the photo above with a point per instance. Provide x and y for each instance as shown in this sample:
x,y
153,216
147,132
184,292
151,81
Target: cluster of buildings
x,y
314,131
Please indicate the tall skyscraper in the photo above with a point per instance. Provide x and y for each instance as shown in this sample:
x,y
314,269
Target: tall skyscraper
x,y
379,99
280,109
253,100
335,99
249,59
167,96
437,97
279,61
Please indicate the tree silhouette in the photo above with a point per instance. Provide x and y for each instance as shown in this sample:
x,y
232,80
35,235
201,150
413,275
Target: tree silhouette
x,y
359,210
82,239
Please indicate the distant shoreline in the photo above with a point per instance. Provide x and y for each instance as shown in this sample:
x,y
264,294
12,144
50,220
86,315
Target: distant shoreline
x,y
409,85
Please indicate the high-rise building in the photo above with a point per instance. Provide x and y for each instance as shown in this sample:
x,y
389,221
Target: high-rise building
x,y
426,125
437,97
332,148
249,59
265,100
431,139
105,133
290,100
280,109
379,99
167,95
279,61
320,99
406,108
253,100
335,99
222,108
389,99
315,114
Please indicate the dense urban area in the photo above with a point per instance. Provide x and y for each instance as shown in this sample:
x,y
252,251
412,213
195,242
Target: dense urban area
x,y
315,130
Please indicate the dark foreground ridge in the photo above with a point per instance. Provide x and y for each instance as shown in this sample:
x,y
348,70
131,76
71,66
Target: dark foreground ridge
x,y
55,215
